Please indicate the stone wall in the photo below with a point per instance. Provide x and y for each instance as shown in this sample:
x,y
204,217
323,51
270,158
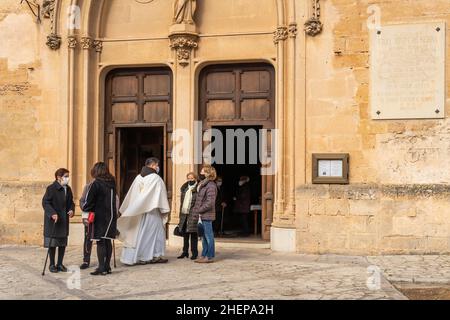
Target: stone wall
x,y
397,200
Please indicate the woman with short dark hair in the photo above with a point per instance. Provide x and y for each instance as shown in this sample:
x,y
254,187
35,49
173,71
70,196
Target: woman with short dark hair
x,y
58,208
101,201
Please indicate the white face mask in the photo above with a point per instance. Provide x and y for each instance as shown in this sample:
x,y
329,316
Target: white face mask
x,y
65,181
219,183
157,169
241,183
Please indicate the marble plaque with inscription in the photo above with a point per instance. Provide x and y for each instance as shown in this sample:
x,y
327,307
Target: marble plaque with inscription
x,y
407,77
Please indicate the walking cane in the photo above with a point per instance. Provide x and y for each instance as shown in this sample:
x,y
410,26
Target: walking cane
x,y
221,221
114,254
49,246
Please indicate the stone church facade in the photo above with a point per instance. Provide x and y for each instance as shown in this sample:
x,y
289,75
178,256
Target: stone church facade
x,y
87,79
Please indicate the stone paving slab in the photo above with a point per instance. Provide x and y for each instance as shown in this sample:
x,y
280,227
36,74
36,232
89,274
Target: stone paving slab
x,y
433,269
237,274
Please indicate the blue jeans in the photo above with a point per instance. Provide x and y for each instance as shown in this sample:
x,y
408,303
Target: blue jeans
x,y
208,240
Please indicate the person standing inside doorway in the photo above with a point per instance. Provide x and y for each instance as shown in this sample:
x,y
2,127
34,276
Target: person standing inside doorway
x,y
205,210
221,205
188,222
58,208
242,204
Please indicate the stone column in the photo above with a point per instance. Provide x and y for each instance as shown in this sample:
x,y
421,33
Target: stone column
x,y
183,41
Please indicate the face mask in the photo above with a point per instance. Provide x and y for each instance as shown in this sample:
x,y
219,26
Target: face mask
x,y
241,183
202,177
157,169
191,183
219,183
65,181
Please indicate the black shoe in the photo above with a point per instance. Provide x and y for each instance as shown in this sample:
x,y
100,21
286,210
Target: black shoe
x,y
109,271
53,269
184,255
62,268
84,265
194,257
98,272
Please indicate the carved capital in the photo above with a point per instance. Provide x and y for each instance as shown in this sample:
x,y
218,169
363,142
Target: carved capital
x,y
183,44
72,42
292,30
98,46
280,34
87,43
53,41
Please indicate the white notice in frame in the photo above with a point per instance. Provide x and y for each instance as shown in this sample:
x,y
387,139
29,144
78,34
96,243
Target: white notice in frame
x,y
324,168
407,71
336,168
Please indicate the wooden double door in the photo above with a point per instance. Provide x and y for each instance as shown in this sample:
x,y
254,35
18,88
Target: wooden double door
x,y
138,116
242,97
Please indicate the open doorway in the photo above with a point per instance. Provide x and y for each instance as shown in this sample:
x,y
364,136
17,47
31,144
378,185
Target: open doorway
x,y
135,145
239,158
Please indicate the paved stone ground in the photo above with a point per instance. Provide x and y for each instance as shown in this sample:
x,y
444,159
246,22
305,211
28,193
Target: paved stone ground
x,y
237,274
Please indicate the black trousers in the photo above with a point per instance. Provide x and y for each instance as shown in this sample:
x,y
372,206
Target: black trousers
x,y
87,247
243,219
194,244
52,253
104,253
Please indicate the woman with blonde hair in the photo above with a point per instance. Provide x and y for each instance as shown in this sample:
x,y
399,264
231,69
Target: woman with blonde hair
x,y
205,209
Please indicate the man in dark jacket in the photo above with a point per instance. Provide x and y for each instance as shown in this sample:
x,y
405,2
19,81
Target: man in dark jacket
x,y
58,208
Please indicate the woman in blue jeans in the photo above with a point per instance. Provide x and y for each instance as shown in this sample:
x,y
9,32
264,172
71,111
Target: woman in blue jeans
x,y
205,209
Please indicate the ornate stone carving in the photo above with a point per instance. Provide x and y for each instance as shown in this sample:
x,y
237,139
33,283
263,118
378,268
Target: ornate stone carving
x,y
54,41
184,11
48,6
87,43
280,34
72,42
313,26
292,30
183,44
98,45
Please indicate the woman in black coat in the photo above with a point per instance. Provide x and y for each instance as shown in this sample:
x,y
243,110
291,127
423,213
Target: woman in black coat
x,y
101,200
58,208
188,222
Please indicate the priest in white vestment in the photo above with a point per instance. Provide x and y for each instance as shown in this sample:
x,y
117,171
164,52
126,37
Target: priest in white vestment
x,y
144,214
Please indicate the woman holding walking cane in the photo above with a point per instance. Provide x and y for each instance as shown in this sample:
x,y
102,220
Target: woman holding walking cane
x,y
58,208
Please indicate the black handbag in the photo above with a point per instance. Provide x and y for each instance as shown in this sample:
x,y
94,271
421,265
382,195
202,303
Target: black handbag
x,y
200,230
177,232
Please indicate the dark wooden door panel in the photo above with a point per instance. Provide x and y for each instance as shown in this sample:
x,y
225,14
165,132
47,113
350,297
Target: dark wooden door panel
x,y
241,95
138,113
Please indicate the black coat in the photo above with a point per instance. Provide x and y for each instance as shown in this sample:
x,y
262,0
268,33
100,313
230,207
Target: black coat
x,y
190,220
56,201
101,199
243,199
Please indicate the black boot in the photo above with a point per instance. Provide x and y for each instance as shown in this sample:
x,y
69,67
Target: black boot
x,y
53,269
98,272
183,255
